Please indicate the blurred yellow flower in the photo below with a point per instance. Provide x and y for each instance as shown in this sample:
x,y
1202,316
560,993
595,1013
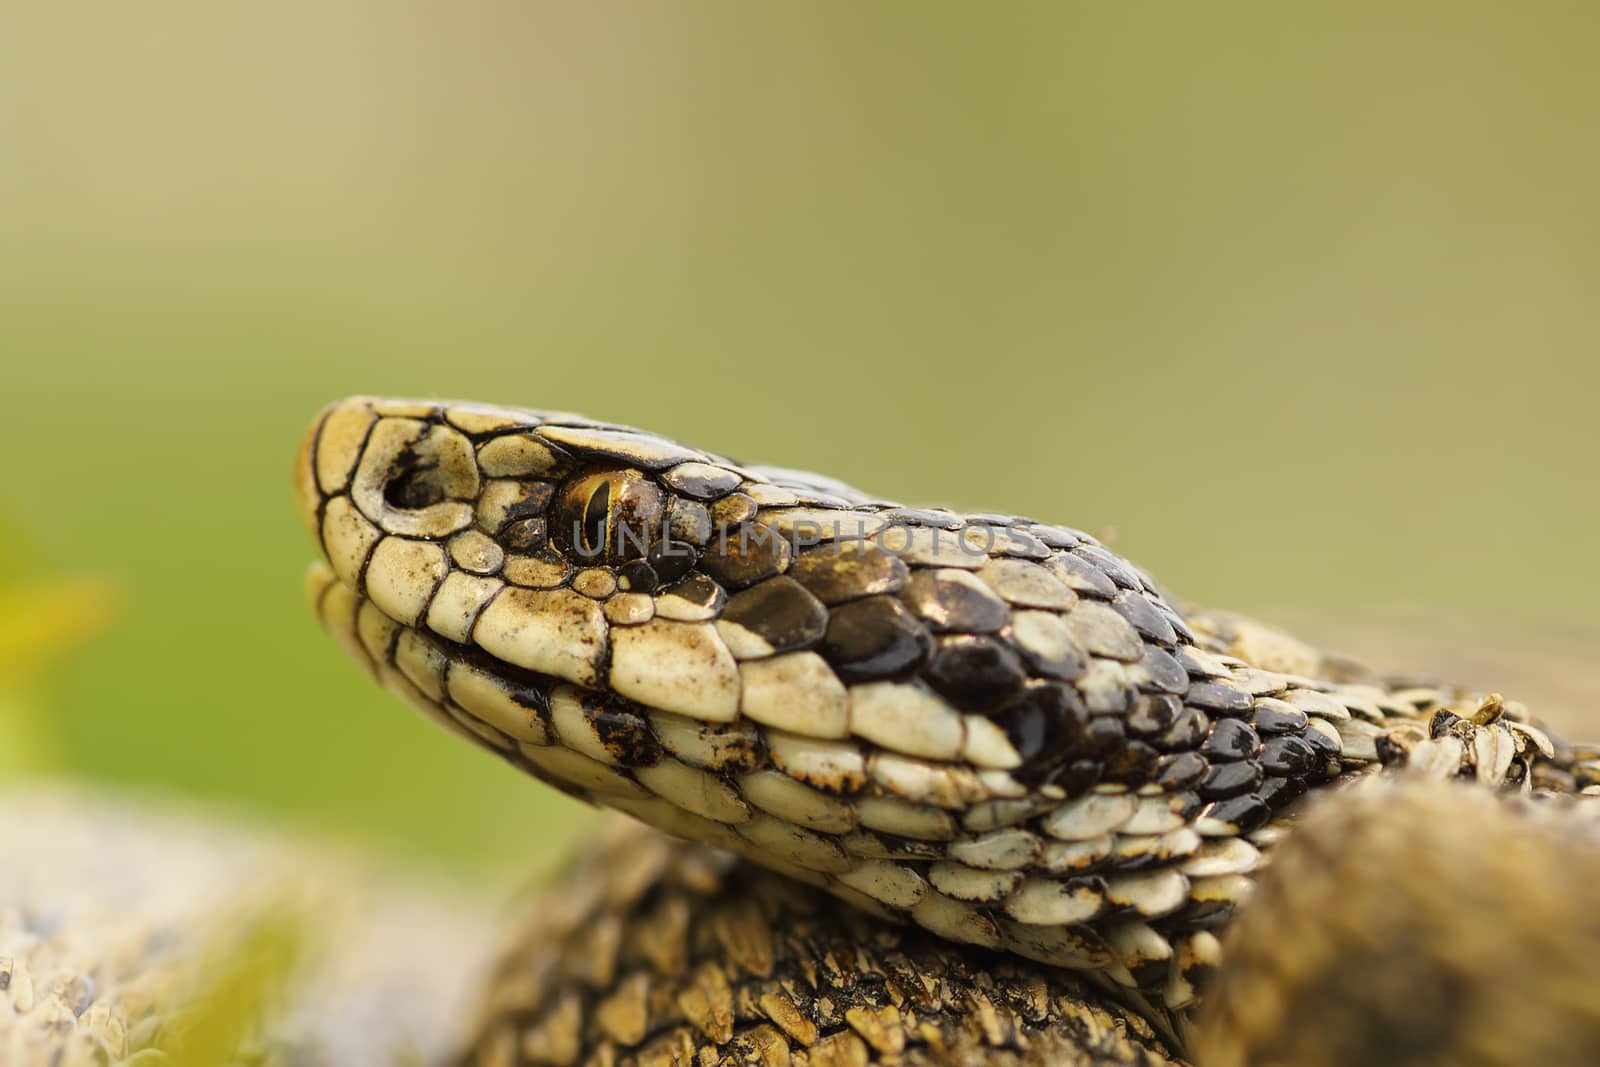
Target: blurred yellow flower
x,y
39,623
43,620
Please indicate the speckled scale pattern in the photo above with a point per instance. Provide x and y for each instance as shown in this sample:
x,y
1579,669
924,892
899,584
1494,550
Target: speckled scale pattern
x,y
994,727
662,955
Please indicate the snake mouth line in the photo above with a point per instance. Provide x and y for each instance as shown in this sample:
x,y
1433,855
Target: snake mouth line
x,y
495,705
453,651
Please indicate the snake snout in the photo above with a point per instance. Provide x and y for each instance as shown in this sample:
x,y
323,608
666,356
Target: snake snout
x,y
406,472
307,500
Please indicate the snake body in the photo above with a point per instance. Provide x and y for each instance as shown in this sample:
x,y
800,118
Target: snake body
x,y
993,727
1415,923
656,953
1406,923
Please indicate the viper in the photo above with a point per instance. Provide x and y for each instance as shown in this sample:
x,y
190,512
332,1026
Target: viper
x,y
986,727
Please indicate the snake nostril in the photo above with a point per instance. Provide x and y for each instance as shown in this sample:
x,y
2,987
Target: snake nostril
x,y
415,479
417,484
433,466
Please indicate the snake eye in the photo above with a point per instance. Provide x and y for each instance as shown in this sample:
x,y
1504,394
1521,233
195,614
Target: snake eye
x,y
609,516
596,514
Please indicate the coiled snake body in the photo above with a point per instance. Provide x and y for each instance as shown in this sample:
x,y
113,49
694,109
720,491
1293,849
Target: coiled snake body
x,y
991,727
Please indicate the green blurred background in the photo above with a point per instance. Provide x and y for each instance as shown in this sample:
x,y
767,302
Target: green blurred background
x,y
1299,299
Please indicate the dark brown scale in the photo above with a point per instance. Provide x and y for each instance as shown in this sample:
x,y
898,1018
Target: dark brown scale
x,y
1178,623
696,589
1230,739
1189,658
1046,722
637,576
781,612
838,573
1281,792
1181,770
975,672
701,482
1230,779
1245,812
689,521
1110,565
1441,722
1153,715
1084,577
533,503
534,700
1106,634
1217,697
875,638
1067,666
954,605
733,510
1143,617
1151,976
1269,719
1324,746
1077,777
524,535
1019,544
738,557
1392,751
1135,764
1149,583
1288,756
1200,914
1191,726
1190,805
1165,672
671,560
1104,736
625,734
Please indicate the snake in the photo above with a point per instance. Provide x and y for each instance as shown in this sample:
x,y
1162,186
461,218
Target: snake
x,y
1420,894
985,727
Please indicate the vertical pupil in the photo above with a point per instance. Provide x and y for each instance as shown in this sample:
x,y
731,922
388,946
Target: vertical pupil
x,y
595,514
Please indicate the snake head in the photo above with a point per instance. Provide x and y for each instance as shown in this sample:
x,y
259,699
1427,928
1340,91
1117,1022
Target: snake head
x,y
519,552
548,548
548,500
